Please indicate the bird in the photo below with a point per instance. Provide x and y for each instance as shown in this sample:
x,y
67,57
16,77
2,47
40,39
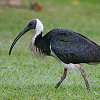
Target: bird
x,y
67,46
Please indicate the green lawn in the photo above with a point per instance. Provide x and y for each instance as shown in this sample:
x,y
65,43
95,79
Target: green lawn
x,y
23,76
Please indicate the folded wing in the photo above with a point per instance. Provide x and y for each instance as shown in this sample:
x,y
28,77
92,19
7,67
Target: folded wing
x,y
71,47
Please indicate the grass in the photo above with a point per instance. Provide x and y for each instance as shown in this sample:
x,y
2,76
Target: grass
x,y
24,76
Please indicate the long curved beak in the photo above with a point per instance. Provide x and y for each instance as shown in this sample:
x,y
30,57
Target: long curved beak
x,y
18,37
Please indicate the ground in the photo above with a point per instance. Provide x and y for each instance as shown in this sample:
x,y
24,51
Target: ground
x,y
23,76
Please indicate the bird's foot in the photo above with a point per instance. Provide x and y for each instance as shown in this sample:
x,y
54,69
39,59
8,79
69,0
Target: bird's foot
x,y
62,78
57,85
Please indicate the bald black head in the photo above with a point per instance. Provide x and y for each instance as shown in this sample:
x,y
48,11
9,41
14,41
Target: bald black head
x,y
32,24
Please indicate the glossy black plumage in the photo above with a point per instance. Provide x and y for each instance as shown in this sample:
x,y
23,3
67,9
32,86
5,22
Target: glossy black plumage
x,y
43,44
69,46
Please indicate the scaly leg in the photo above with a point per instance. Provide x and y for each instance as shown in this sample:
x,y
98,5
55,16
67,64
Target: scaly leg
x,y
62,78
84,76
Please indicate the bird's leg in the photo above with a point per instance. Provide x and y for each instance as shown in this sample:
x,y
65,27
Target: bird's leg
x,y
62,78
84,76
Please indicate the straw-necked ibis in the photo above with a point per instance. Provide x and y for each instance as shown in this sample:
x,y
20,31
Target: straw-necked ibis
x,y
67,46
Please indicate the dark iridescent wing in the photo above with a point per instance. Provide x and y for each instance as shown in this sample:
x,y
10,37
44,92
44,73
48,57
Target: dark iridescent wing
x,y
71,47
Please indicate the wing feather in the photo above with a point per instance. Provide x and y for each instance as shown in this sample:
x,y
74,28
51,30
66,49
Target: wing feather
x,y
71,47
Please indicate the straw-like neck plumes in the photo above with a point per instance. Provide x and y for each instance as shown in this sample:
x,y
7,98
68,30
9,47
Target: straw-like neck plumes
x,y
38,33
36,50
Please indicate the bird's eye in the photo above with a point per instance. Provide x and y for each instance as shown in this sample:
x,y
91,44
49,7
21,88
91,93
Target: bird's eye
x,y
30,24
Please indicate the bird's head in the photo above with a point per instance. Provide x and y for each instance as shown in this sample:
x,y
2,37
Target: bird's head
x,y
35,24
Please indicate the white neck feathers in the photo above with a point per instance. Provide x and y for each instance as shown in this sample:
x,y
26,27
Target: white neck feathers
x,y
38,29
